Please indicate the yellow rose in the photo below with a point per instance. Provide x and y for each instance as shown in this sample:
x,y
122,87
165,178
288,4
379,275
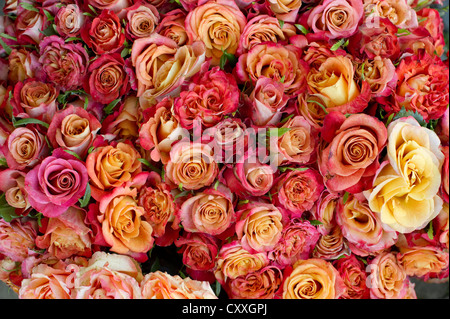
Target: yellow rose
x,y
405,191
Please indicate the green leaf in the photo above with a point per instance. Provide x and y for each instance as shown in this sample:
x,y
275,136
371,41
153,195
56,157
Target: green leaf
x,y
73,154
156,265
319,104
84,201
125,52
345,197
92,9
227,58
48,15
30,120
180,186
389,120
302,29
28,6
6,47
278,132
402,32
430,231
109,109
217,288
285,168
363,77
243,202
91,149
7,212
216,184
315,222
286,119
3,162
182,194
281,22
337,45
7,36
404,113
282,79
86,102
73,39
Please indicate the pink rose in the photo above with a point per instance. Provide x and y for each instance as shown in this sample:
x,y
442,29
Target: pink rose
x,y
12,184
23,64
297,241
325,211
297,190
142,20
380,74
108,78
17,238
434,25
352,272
69,20
285,10
57,183
64,64
399,12
337,19
172,26
28,25
73,128
444,191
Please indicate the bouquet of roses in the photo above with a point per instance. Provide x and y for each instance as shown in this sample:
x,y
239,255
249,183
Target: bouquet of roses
x,y
276,148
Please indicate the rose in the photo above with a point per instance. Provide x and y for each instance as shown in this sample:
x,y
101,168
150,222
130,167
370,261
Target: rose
x,y
248,177
285,10
158,203
74,129
313,279
421,86
435,26
422,259
263,28
362,227
310,107
109,276
234,261
103,33
380,74
22,65
160,131
124,123
17,238
444,189
331,245
111,166
334,81
69,20
28,24
210,211
199,250
12,185
376,40
410,179
113,5
191,165
267,100
209,97
34,99
161,285
354,276
297,190
298,144
275,61
318,50
337,19
64,64
9,274
122,224
57,183
67,235
259,226
108,79
161,66
387,278
218,24
261,284
50,281
325,211
440,226
24,147
297,241
172,26
418,40
398,12
350,158
142,20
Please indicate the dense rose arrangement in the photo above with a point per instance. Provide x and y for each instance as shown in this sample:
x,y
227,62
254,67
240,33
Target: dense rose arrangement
x,y
273,148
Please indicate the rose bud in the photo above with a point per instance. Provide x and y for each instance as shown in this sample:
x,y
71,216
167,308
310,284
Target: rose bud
x,y
199,250
352,272
172,26
108,79
12,184
74,129
297,190
142,20
350,154
191,165
24,147
337,19
22,65
103,34
66,235
18,238
208,97
313,279
34,99
297,241
57,183
219,25
210,211
69,20
380,74
398,12
264,28
285,10
332,245
64,64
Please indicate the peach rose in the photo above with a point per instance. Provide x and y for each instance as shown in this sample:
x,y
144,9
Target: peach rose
x,y
12,184
67,235
285,10
28,25
259,226
313,279
354,276
122,224
161,285
218,24
325,211
191,165
111,166
444,190
109,276
69,20
172,26
310,107
331,245
380,74
334,82
199,250
405,189
22,65
441,225
17,238
397,11
387,278
142,20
